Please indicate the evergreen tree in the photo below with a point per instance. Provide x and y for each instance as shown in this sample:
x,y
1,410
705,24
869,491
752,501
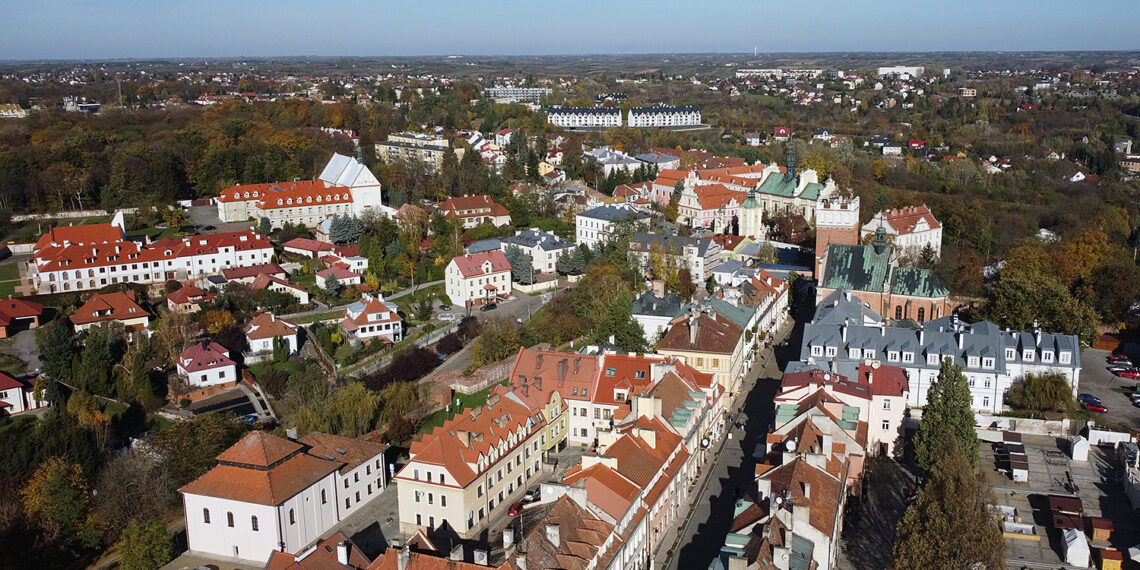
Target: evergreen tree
x,y
618,322
565,262
333,285
950,525
947,411
280,349
264,226
522,268
57,347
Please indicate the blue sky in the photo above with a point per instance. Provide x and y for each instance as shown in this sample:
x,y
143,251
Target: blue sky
x,y
82,29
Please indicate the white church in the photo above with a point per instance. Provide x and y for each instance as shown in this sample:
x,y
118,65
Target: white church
x,y
345,187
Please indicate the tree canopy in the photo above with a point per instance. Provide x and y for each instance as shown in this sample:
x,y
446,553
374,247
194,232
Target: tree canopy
x,y
947,412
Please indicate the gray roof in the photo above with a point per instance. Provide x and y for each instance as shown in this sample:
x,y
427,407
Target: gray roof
x,y
671,305
489,244
536,237
656,158
739,315
614,212
642,241
841,306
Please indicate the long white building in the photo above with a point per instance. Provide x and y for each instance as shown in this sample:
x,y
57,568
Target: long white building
x,y
578,117
512,94
80,258
345,187
664,116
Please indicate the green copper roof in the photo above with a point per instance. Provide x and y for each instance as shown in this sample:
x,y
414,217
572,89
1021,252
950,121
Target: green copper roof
x,y
917,283
856,268
777,185
785,412
851,413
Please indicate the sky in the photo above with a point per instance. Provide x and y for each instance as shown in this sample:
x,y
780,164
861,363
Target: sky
x,y
114,29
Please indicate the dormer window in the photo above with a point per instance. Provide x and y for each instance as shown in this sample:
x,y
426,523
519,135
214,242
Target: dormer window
x,y
1066,357
868,353
855,353
892,356
328,197
611,372
932,358
987,362
1010,354
289,201
318,199
816,350
639,374
1047,356
972,362
1027,355
831,351
908,357
280,202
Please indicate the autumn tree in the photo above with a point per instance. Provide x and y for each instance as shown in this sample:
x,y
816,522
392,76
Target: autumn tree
x,y
145,545
172,334
950,525
618,323
132,486
56,500
190,448
499,340
948,411
216,320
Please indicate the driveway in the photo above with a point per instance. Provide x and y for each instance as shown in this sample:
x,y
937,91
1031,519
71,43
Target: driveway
x,y
23,346
1098,381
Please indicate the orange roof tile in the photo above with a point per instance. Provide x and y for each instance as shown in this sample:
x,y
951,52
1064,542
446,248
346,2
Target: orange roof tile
x,y
266,325
323,557
351,452
108,307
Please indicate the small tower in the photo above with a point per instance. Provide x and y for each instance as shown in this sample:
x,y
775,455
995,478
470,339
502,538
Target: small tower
x,y
790,170
752,217
359,154
880,242
836,223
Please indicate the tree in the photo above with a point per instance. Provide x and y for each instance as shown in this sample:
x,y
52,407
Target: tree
x,y
264,226
332,285
619,324
215,320
422,310
191,448
132,486
499,340
522,271
947,411
173,334
56,499
57,348
280,349
950,525
145,545
345,229
1042,393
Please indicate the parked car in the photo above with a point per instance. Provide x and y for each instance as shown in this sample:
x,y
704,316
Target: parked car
x,y
1096,408
489,307
531,495
1119,359
1129,373
1088,399
445,307
514,510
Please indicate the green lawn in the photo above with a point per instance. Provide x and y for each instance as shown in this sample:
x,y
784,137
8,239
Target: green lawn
x,y
9,272
156,233
435,292
309,319
465,402
8,288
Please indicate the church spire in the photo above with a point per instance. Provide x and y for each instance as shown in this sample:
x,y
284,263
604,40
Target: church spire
x,y
359,154
790,170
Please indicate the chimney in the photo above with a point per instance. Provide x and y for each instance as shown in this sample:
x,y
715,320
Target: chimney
x,y
457,552
342,550
520,561
921,337
961,340
577,364
403,558
694,328
563,365
801,514
825,442
538,361
552,535
659,288
508,538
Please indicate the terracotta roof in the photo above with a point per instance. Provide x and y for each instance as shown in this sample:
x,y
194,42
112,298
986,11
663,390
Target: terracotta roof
x,y
714,334
482,206
79,235
631,373
322,557
264,487
7,382
637,459
108,307
204,355
351,452
340,270
581,537
471,265
189,294
266,325
389,560
714,196
306,244
259,448
605,488
18,309
904,220
885,380
289,194
824,491
536,373
231,273
264,279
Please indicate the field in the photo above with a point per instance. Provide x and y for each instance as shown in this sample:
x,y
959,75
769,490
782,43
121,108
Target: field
x,y
9,279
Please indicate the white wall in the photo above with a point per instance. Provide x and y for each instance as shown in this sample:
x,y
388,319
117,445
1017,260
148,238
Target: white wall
x,y
367,480
219,539
210,377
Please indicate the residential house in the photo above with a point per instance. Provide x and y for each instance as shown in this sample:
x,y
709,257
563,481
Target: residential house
x,y
269,494
279,285
475,210
661,161
475,279
251,273
569,535
265,327
206,363
17,396
654,310
341,272
753,139
781,134
363,472
612,161
18,314
596,225
373,317
188,299
103,308
344,187
310,248
336,552
714,207
699,255
710,343
543,248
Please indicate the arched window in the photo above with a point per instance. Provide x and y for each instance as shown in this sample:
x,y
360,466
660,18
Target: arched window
x,y
230,520
206,516
253,522
292,517
922,314
898,313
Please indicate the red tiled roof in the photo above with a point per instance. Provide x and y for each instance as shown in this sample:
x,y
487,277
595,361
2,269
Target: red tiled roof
x,y
290,194
482,205
324,557
717,335
259,448
266,325
714,196
189,294
310,245
351,452
54,258
261,469
904,220
389,560
7,382
264,279
339,270
79,235
885,380
231,273
204,355
605,488
18,309
471,265
825,491
108,307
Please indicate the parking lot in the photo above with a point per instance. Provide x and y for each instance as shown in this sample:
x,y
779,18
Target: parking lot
x,y
1052,472
1098,381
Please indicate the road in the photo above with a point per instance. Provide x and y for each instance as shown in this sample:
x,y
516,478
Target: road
x,y
732,473
520,306
1098,381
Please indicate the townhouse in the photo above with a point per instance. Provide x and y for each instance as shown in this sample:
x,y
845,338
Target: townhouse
x,y
543,248
711,206
345,187
580,117
478,278
844,333
270,494
264,328
664,116
710,343
102,308
655,309
67,266
911,229
700,255
206,363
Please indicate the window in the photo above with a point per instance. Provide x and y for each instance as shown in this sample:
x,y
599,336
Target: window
x,y
831,351
431,522
986,401
1047,356
230,520
1027,354
441,481
700,361
479,491
922,314
893,356
431,498
356,477
370,488
253,523
868,353
358,496
348,503
206,516
1065,357
417,496
886,404
292,517
932,358
972,362
324,497
972,382
415,475
855,353
898,313
443,500
987,382
987,362
428,477
816,350
419,518
639,374
1010,354
611,372
346,481
886,424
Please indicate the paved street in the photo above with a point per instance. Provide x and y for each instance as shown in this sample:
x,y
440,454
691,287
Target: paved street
x,y
520,306
1098,381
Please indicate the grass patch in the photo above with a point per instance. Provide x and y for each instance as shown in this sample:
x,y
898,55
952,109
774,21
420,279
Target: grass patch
x,y
156,233
289,366
9,272
466,401
310,319
10,364
9,288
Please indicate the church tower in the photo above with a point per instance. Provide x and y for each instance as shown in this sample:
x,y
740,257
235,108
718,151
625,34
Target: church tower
x,y
752,218
836,223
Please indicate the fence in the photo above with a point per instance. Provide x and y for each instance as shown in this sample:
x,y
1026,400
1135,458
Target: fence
x,y
72,214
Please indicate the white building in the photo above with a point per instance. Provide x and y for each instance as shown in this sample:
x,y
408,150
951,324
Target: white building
x,y
475,210
543,248
268,494
373,317
664,116
593,227
478,278
579,117
913,228
903,71
17,396
265,327
345,187
363,472
207,363
612,161
512,94
78,265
